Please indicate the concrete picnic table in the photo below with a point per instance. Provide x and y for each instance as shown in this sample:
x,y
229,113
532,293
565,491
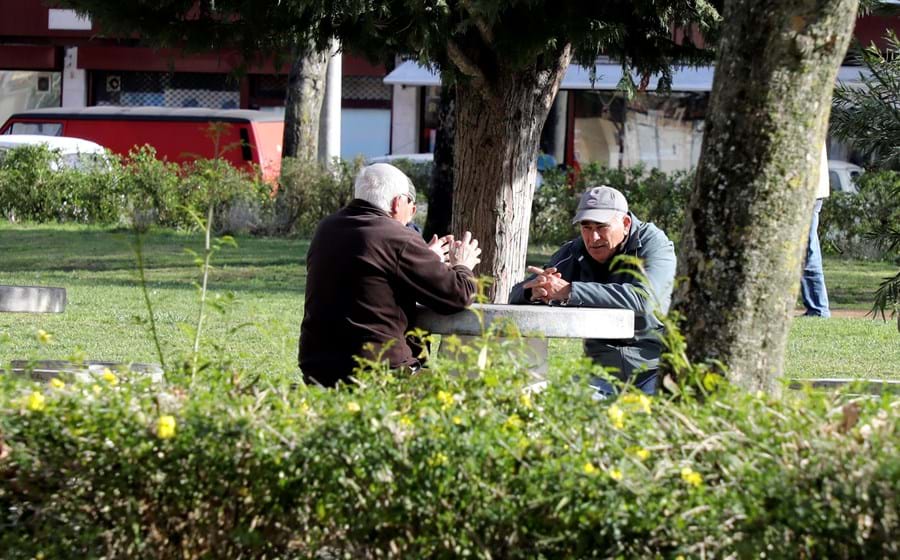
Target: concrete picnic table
x,y
535,323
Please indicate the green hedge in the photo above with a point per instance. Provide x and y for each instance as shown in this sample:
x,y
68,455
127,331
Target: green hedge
x,y
35,186
442,466
847,219
309,191
652,195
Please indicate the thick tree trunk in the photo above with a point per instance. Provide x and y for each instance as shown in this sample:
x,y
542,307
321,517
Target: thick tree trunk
x,y
751,206
440,201
498,127
303,105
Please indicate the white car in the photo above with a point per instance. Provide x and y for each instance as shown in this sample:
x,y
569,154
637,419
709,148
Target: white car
x,y
414,158
842,176
75,153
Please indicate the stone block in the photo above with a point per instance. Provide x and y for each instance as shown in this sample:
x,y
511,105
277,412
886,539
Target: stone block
x,y
32,299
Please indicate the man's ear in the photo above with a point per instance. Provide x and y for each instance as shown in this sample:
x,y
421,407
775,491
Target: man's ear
x,y
626,221
395,206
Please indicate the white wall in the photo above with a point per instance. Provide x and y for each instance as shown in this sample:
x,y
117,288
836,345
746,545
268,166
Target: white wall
x,y
365,132
405,133
74,81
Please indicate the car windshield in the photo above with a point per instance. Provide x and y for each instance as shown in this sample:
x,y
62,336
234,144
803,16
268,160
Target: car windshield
x,y
84,161
44,129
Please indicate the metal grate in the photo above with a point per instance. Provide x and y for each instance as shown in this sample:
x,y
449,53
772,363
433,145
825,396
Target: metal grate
x,y
164,89
365,88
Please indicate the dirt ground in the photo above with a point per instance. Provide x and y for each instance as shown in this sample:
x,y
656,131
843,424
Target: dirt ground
x,y
843,313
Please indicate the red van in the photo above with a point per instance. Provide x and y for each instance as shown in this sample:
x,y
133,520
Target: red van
x,y
179,135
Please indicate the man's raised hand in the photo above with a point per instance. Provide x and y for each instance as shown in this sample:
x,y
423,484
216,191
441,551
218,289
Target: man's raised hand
x,y
465,251
440,246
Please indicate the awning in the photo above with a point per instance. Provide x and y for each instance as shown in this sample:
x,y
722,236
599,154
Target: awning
x,y
608,75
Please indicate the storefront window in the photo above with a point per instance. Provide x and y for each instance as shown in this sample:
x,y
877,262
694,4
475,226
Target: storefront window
x,y
661,131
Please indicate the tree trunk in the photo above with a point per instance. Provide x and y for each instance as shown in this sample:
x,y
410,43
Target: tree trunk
x,y
498,127
750,211
303,105
440,201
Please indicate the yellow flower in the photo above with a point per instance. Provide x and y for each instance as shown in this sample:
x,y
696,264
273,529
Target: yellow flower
x,y
711,381
615,474
406,421
639,452
616,416
525,400
691,476
457,420
589,469
110,377
353,407
446,399
437,460
96,389
57,384
36,401
641,400
165,427
513,422
44,337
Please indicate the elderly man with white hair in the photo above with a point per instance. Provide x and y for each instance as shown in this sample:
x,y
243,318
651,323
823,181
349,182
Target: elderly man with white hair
x,y
583,273
365,273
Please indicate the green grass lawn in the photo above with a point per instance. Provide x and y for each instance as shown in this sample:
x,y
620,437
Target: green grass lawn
x,y
258,328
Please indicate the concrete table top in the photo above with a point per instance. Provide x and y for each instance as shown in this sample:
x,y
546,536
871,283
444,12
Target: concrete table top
x,y
533,320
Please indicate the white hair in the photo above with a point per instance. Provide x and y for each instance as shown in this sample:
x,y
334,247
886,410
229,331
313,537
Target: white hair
x,y
380,183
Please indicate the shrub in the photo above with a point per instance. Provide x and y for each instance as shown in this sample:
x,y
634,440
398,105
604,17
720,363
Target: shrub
x,y
229,191
443,466
139,190
36,185
847,219
652,195
420,175
309,191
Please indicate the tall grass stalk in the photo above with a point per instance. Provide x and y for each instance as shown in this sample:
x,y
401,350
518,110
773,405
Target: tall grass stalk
x,y
201,312
139,253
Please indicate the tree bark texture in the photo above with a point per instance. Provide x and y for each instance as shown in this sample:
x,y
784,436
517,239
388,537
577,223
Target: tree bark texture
x,y
303,105
498,126
440,201
750,211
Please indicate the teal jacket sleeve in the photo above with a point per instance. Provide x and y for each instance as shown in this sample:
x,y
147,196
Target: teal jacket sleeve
x,y
518,294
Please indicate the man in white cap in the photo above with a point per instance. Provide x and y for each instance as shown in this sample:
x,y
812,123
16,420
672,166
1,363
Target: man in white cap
x,y
581,273
365,272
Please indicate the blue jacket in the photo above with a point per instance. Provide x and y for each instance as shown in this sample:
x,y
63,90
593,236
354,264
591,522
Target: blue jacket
x,y
595,285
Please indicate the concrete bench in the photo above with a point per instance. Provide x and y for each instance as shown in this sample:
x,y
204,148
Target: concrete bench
x,y
869,386
536,323
32,299
45,370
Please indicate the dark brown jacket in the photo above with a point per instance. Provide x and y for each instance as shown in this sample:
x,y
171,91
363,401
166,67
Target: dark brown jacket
x,y
365,273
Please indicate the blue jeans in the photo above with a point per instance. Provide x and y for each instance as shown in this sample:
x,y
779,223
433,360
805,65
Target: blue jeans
x,y
812,283
646,382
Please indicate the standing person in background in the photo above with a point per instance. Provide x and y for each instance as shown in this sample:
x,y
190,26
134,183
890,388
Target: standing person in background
x,y
812,282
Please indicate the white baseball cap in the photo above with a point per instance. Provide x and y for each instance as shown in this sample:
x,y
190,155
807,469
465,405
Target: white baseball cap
x,y
600,204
